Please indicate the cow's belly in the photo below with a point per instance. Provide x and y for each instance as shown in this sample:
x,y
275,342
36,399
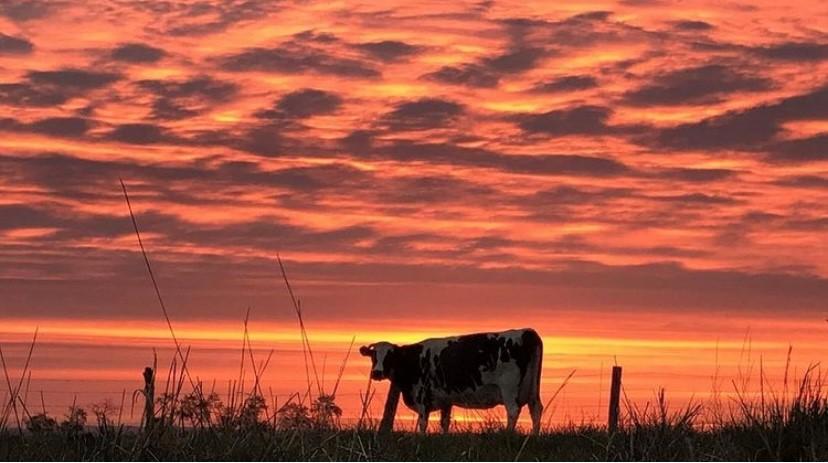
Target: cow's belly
x,y
485,396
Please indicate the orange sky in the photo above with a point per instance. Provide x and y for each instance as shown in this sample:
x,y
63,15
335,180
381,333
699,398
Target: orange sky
x,y
640,180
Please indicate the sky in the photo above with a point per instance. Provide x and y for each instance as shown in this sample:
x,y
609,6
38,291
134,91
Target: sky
x,y
644,182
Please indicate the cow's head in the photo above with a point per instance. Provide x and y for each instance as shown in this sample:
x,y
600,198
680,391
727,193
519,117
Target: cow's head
x,y
381,354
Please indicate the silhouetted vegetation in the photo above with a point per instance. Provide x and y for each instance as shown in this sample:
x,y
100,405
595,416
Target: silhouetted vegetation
x,y
789,426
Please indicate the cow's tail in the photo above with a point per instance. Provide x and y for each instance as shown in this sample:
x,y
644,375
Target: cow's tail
x,y
530,383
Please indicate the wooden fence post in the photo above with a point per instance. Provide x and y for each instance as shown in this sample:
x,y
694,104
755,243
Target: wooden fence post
x,y
615,397
390,411
149,399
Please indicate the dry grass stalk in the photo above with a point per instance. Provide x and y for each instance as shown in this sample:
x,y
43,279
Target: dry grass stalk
x,y
365,401
158,293
11,404
306,347
14,392
324,408
549,402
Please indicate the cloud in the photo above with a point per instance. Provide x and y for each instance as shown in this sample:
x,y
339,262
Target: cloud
x,y
358,140
572,196
137,53
423,114
169,109
693,86
194,19
68,224
179,99
73,79
692,25
804,181
515,61
538,164
185,182
696,175
52,88
15,216
204,87
487,72
430,189
215,282
70,127
27,95
580,120
312,36
695,199
265,232
65,127
793,51
363,194
303,103
191,183
272,233
561,164
470,75
139,134
62,175
331,177
591,16
576,32
750,129
296,59
425,289
566,84
25,10
813,224
808,149
366,145
10,45
266,140
740,130
388,50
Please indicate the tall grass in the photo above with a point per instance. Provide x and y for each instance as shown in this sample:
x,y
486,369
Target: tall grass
x,y
769,426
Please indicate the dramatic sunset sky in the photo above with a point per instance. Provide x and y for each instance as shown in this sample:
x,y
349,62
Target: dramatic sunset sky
x,y
641,181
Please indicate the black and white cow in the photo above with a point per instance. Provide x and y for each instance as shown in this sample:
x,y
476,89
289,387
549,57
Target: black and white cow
x,y
471,371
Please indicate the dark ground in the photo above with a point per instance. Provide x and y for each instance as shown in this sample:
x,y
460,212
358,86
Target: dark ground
x,y
591,444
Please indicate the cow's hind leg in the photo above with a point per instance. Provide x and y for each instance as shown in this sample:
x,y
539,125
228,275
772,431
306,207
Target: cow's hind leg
x,y
422,421
536,410
445,418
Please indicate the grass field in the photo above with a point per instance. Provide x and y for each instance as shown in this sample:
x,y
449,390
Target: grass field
x,y
651,442
772,427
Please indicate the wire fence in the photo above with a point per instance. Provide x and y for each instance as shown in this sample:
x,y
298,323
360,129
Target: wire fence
x,y
576,403
583,399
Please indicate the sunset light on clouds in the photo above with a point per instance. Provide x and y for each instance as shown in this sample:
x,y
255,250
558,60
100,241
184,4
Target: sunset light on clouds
x,y
643,182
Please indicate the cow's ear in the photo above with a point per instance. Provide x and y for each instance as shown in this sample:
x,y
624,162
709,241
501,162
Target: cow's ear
x,y
365,351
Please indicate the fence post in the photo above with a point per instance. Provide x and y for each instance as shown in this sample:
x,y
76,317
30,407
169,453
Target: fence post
x,y
388,414
614,402
149,399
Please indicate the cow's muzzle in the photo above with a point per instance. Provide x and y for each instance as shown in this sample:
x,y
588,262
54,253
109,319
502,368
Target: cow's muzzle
x,y
376,375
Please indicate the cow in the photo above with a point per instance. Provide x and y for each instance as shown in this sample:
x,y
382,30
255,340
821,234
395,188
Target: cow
x,y
479,371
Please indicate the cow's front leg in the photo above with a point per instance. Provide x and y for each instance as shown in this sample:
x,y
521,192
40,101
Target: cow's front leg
x,y
445,418
422,421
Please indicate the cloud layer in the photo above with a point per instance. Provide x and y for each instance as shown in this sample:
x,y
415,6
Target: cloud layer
x,y
638,157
